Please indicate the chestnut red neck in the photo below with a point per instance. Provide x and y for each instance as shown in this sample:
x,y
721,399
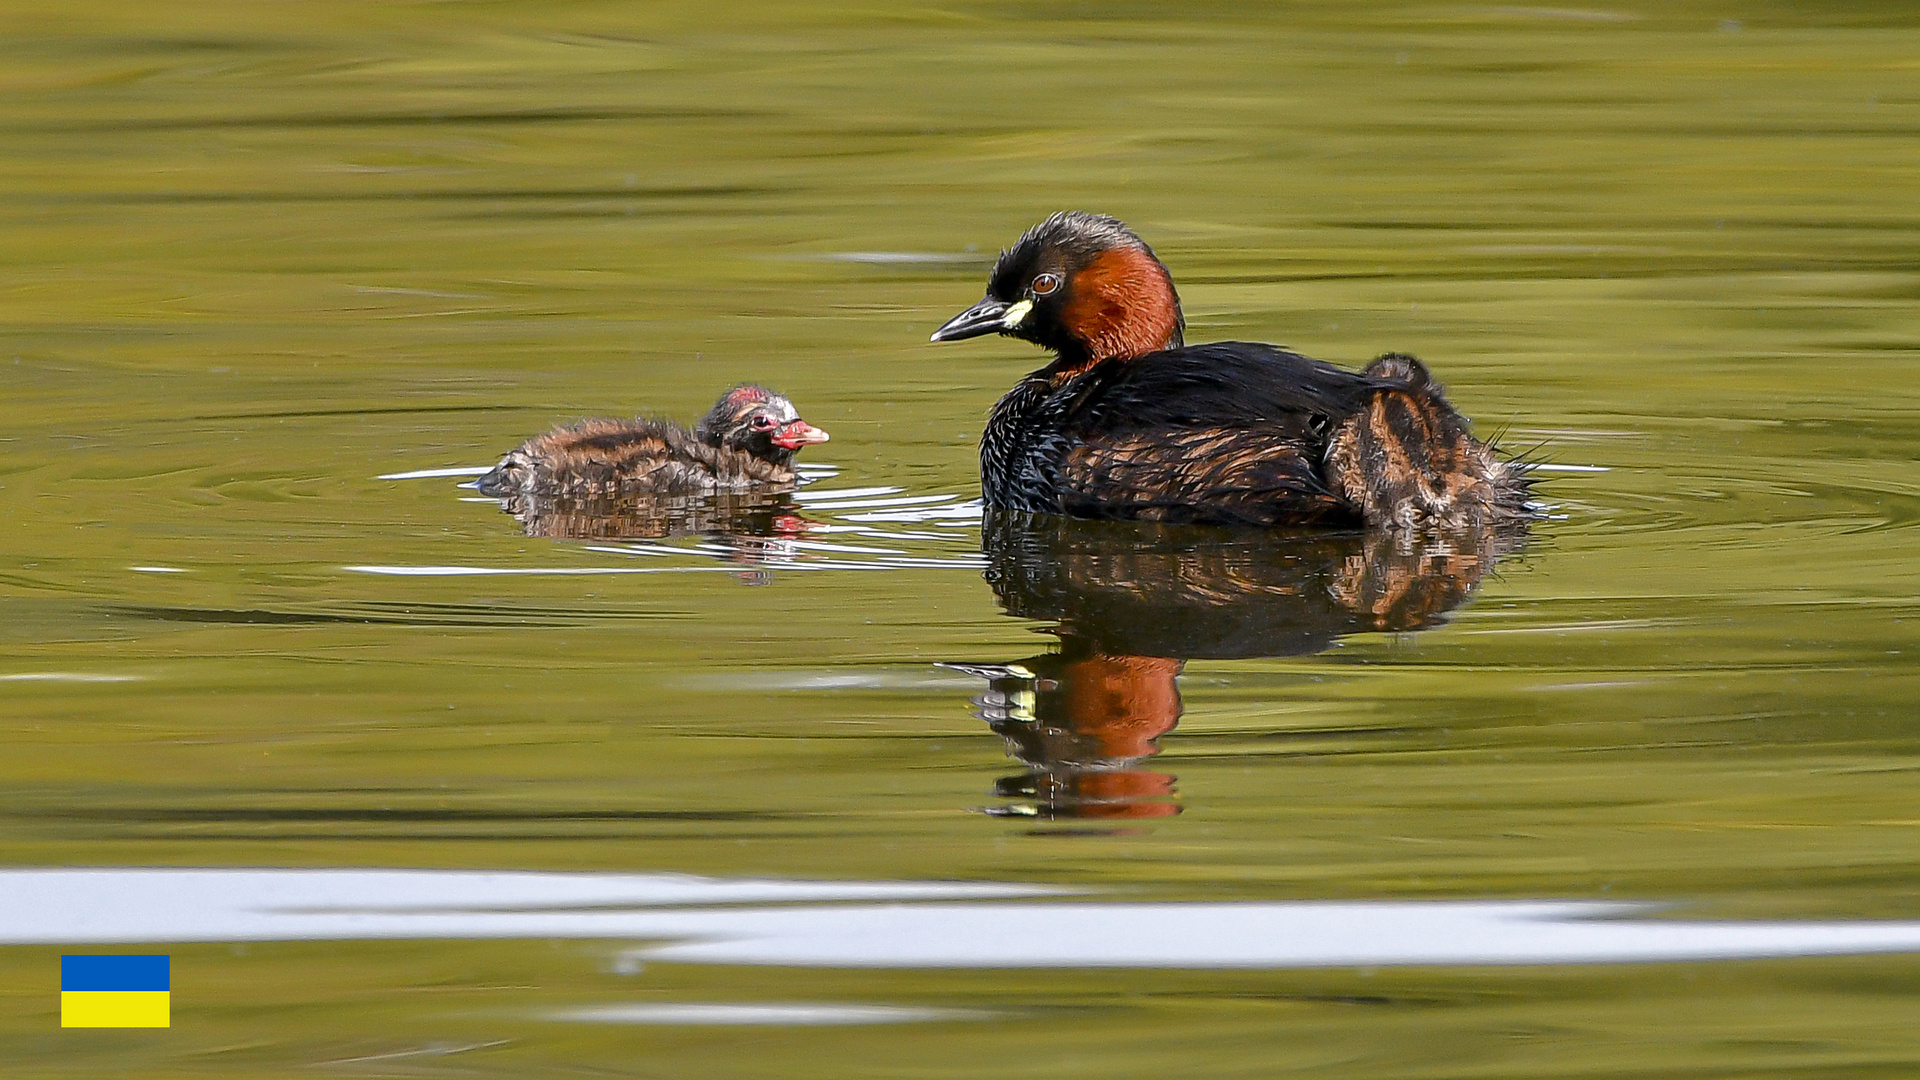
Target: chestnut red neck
x,y
1122,304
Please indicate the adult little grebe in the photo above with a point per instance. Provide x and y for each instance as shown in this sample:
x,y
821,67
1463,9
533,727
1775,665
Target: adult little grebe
x,y
747,440
1127,423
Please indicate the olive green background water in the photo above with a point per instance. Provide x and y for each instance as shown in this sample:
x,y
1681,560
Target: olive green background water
x,y
256,256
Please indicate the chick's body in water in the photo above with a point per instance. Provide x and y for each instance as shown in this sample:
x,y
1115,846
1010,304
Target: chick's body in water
x,y
745,442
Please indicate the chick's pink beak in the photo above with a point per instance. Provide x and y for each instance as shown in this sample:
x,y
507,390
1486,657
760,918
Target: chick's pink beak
x,y
797,433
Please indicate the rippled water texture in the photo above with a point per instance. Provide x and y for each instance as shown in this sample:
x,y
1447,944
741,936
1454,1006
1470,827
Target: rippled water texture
x,y
852,783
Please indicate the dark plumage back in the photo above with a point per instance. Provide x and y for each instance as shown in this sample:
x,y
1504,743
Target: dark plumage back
x,y
1227,432
1221,384
1243,433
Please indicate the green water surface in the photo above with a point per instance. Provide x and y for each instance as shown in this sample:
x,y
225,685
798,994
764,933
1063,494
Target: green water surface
x,y
258,256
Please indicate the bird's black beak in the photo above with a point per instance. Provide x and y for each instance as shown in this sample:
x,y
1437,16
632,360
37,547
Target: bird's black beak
x,y
989,316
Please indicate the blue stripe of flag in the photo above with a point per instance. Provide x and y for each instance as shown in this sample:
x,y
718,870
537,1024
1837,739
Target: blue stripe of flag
x,y
116,973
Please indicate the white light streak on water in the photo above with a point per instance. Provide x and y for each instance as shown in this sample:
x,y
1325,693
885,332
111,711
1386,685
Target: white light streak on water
x,y
809,497
970,511
883,924
426,474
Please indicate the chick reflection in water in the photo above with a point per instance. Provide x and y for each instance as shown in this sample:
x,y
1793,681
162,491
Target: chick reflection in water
x,y
1132,603
740,518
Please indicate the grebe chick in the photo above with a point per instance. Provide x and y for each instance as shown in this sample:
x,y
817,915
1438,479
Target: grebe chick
x,y
1128,422
747,440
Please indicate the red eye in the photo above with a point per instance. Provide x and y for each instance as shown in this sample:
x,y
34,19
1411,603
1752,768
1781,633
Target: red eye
x,y
762,421
1045,284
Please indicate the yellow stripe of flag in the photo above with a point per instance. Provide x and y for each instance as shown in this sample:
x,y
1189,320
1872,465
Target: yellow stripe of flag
x,y
115,1008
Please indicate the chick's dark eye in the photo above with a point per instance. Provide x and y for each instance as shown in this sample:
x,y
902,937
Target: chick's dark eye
x,y
1045,284
762,422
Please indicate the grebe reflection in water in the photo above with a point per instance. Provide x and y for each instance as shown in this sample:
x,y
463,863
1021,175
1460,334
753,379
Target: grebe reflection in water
x,y
1132,603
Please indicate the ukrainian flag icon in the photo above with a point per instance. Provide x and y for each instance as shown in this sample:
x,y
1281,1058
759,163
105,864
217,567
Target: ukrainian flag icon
x,y
116,991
